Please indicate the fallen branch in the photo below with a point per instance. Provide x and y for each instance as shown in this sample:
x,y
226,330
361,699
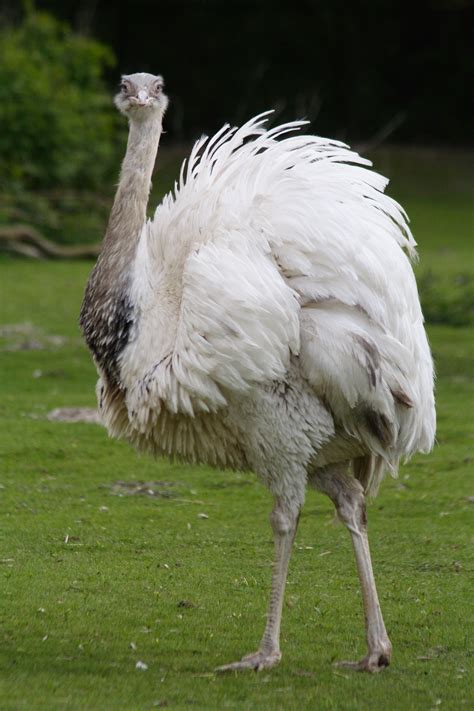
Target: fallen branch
x,y
26,240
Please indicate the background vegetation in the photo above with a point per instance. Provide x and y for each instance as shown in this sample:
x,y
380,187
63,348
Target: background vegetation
x,y
55,112
59,134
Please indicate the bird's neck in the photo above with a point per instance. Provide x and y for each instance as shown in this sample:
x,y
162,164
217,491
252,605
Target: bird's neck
x,y
128,213
107,313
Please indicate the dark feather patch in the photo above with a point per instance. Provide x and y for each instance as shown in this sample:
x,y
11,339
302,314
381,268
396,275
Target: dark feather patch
x,y
106,321
380,427
402,398
372,357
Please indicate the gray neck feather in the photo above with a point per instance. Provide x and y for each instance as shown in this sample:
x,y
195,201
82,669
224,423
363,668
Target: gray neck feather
x,y
107,314
128,213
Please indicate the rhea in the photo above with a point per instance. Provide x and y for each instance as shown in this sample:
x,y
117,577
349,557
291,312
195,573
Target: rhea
x,y
266,319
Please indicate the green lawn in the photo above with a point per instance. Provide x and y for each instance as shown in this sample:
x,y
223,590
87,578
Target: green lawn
x,y
95,580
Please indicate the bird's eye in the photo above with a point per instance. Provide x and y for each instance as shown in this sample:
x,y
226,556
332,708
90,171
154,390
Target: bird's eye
x,y
157,87
124,87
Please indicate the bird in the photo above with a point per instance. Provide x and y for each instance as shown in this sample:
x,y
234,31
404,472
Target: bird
x,y
266,319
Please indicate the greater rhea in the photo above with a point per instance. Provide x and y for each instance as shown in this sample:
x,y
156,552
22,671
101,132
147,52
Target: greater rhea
x,y
266,319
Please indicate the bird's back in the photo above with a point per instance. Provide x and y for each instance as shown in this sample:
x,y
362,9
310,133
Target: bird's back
x,y
275,250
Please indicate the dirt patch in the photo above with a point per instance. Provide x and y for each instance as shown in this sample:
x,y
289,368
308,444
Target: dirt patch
x,y
75,414
27,337
161,489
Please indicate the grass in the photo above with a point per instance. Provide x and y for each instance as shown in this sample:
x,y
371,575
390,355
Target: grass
x,y
95,580
436,188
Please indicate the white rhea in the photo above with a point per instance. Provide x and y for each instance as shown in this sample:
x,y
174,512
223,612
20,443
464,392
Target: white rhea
x,y
267,318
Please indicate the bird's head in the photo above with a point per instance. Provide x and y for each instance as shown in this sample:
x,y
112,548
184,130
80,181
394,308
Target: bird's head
x,y
141,95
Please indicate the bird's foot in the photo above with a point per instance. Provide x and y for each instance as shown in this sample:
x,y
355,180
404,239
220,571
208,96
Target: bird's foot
x,y
372,663
256,662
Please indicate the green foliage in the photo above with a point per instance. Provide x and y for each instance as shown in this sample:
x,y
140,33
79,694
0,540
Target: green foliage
x,y
446,301
435,188
57,125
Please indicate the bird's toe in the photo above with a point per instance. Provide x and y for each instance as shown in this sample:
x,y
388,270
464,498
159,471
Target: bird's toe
x,y
255,662
372,663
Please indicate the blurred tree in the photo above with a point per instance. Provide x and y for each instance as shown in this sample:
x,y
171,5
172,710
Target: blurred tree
x,y
57,124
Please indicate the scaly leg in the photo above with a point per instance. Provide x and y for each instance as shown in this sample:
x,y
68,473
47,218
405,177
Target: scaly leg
x,y
348,497
284,523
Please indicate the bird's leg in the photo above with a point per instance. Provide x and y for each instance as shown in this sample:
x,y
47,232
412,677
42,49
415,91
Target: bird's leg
x,y
284,521
348,497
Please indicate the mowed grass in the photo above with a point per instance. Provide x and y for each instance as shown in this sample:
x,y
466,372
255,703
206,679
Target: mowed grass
x,y
95,580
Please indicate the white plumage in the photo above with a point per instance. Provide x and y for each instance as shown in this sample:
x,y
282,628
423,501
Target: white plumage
x,y
275,325
272,248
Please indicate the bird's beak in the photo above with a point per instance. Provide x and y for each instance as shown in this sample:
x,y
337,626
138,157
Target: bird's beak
x,y
142,98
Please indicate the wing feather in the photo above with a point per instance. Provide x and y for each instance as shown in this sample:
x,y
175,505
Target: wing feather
x,y
273,245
